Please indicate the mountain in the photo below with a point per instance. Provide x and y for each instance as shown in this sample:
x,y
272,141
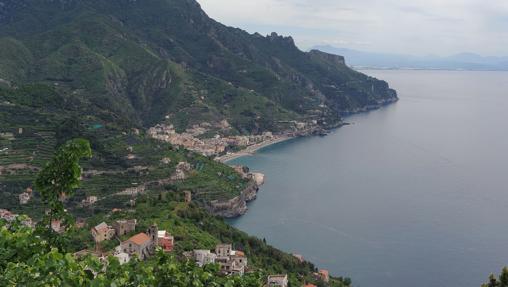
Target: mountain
x,y
148,61
462,61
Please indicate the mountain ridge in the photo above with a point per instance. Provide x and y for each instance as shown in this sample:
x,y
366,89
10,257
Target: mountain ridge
x,y
126,40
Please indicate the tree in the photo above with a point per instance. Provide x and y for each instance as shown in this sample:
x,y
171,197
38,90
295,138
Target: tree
x,y
59,178
502,281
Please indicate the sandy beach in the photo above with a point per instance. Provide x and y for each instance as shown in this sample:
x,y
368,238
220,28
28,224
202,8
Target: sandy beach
x,y
250,150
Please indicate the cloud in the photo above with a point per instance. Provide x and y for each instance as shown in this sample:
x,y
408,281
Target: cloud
x,y
415,27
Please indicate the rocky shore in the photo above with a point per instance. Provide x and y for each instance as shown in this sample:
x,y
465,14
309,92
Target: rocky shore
x,y
236,206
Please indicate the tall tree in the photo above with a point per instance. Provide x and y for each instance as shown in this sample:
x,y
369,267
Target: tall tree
x,y
57,180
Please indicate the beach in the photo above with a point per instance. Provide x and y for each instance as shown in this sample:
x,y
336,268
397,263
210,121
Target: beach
x,y
250,150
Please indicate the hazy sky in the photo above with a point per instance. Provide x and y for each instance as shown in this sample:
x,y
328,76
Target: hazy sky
x,y
420,27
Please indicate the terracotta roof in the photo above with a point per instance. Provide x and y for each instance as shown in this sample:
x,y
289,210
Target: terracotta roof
x,y
310,285
240,253
139,238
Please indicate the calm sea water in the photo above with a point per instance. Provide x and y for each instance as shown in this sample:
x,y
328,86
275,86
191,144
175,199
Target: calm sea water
x,y
414,194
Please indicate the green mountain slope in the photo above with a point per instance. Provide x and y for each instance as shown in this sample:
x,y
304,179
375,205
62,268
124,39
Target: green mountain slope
x,y
146,60
106,70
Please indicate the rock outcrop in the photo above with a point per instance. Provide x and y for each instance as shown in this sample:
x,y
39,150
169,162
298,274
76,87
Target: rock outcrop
x,y
236,206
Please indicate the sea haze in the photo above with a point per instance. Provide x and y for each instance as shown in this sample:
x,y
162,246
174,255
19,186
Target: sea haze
x,y
462,61
414,194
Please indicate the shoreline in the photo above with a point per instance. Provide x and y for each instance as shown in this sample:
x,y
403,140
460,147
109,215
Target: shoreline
x,y
251,150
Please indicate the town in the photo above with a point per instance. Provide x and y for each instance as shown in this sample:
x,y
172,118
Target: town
x,y
212,139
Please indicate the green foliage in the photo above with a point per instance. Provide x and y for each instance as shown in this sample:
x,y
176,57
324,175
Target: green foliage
x,y
147,60
26,260
34,258
60,177
501,281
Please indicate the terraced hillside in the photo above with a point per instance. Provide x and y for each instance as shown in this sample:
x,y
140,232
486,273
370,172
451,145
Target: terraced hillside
x,y
124,159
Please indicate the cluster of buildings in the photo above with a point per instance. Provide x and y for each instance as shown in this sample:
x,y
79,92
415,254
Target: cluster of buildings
x,y
103,231
182,168
10,217
89,201
191,139
141,245
231,262
25,196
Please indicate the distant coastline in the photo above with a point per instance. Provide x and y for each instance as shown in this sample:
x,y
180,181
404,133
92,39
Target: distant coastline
x,y
389,61
365,68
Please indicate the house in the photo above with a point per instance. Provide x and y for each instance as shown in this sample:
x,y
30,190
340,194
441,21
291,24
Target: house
x,y
56,225
80,223
124,227
324,275
280,280
184,166
7,215
223,250
102,232
24,198
231,262
142,244
230,267
138,245
238,257
178,175
204,257
310,285
166,241
10,217
90,200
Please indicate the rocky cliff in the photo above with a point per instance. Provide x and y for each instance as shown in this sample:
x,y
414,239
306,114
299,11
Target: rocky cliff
x,y
236,206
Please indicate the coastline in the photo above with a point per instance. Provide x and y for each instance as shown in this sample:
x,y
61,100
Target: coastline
x,y
250,150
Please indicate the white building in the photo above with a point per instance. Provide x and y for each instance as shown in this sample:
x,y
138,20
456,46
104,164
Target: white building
x,y
204,257
90,200
24,198
231,262
280,280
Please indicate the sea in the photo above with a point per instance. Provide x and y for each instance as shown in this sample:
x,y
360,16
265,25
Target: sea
x,y
413,194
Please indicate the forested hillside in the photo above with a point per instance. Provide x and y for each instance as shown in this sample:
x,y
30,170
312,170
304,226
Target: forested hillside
x,y
145,60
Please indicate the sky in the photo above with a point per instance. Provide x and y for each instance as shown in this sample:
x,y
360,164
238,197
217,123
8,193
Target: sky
x,y
417,27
